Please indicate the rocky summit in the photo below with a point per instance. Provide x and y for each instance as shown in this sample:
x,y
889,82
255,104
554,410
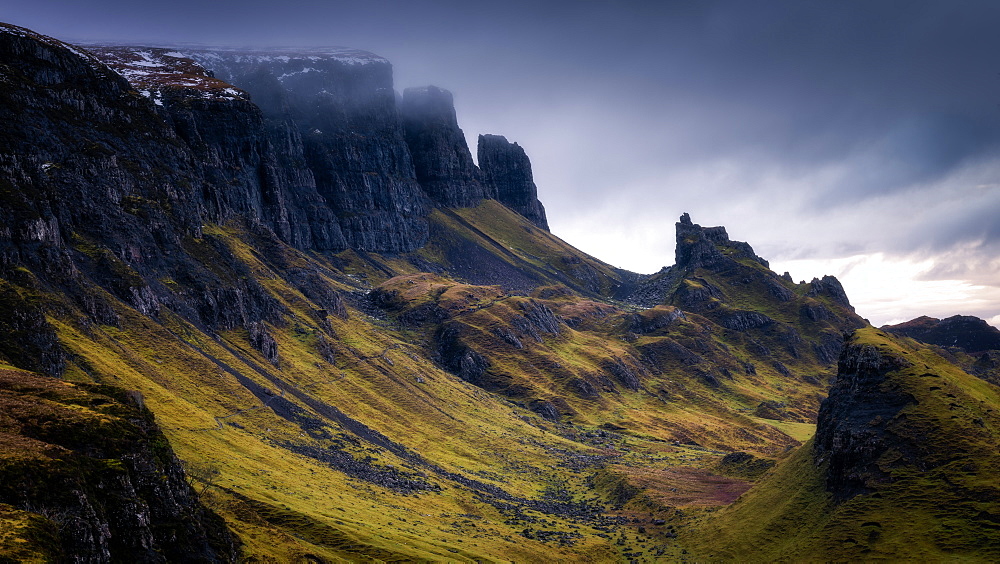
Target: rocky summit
x,y
257,306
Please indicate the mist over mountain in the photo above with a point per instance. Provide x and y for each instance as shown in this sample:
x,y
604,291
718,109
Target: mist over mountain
x,y
255,304
855,139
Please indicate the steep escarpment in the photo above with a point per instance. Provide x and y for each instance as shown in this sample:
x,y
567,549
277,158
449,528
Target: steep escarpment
x,y
854,430
94,181
361,172
899,468
342,107
507,176
441,157
92,464
252,168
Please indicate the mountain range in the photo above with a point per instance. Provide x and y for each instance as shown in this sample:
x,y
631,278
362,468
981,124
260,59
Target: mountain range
x,y
257,306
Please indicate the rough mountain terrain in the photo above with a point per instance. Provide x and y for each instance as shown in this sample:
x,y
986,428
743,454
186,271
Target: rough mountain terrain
x,y
966,332
902,467
363,346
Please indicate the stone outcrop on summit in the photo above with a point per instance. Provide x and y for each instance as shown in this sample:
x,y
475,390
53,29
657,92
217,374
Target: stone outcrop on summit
x,y
507,175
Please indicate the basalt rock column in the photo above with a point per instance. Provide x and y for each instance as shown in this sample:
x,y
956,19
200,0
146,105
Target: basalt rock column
x,y
343,107
441,157
506,173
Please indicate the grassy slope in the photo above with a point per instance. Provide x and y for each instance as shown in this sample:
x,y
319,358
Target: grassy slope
x,y
670,405
638,453
286,506
944,507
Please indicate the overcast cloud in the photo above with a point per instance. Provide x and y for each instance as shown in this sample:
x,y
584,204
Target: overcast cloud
x,y
856,138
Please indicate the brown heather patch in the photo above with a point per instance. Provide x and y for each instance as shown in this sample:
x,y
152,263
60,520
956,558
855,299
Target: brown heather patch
x,y
682,486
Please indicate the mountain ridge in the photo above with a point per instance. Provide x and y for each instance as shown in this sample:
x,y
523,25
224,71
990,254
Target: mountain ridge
x,y
364,347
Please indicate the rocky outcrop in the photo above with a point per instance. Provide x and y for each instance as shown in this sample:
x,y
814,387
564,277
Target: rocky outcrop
x,y
341,105
831,287
441,157
966,332
26,339
740,320
507,176
458,358
103,185
103,474
698,247
853,430
321,156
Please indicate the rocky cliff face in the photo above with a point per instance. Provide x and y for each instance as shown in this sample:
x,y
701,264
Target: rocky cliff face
x,y
507,176
99,186
311,144
253,169
91,460
701,247
342,105
853,431
441,157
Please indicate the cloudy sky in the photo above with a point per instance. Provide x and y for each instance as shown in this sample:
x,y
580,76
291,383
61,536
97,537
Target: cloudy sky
x,y
854,138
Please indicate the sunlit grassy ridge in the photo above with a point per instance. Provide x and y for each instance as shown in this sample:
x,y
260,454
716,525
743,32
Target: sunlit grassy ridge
x,y
427,447
939,501
480,412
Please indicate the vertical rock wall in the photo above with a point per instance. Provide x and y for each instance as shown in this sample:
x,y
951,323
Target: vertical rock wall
x,y
344,111
507,175
441,157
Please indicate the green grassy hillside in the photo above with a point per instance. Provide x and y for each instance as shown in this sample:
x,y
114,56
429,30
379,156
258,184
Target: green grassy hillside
x,y
931,493
389,414
432,418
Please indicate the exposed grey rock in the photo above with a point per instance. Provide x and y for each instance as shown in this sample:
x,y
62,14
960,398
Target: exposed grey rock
x,y
115,491
584,389
698,295
458,358
508,336
545,409
745,320
506,173
261,339
343,108
697,247
831,287
26,339
441,157
851,431
625,374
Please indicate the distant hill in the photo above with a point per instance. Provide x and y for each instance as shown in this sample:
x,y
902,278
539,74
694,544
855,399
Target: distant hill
x,y
971,334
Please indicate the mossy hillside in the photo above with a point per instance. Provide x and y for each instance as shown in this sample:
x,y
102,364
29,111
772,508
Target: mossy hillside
x,y
531,365
522,255
197,402
939,500
27,537
790,342
72,456
540,247
262,417
374,378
